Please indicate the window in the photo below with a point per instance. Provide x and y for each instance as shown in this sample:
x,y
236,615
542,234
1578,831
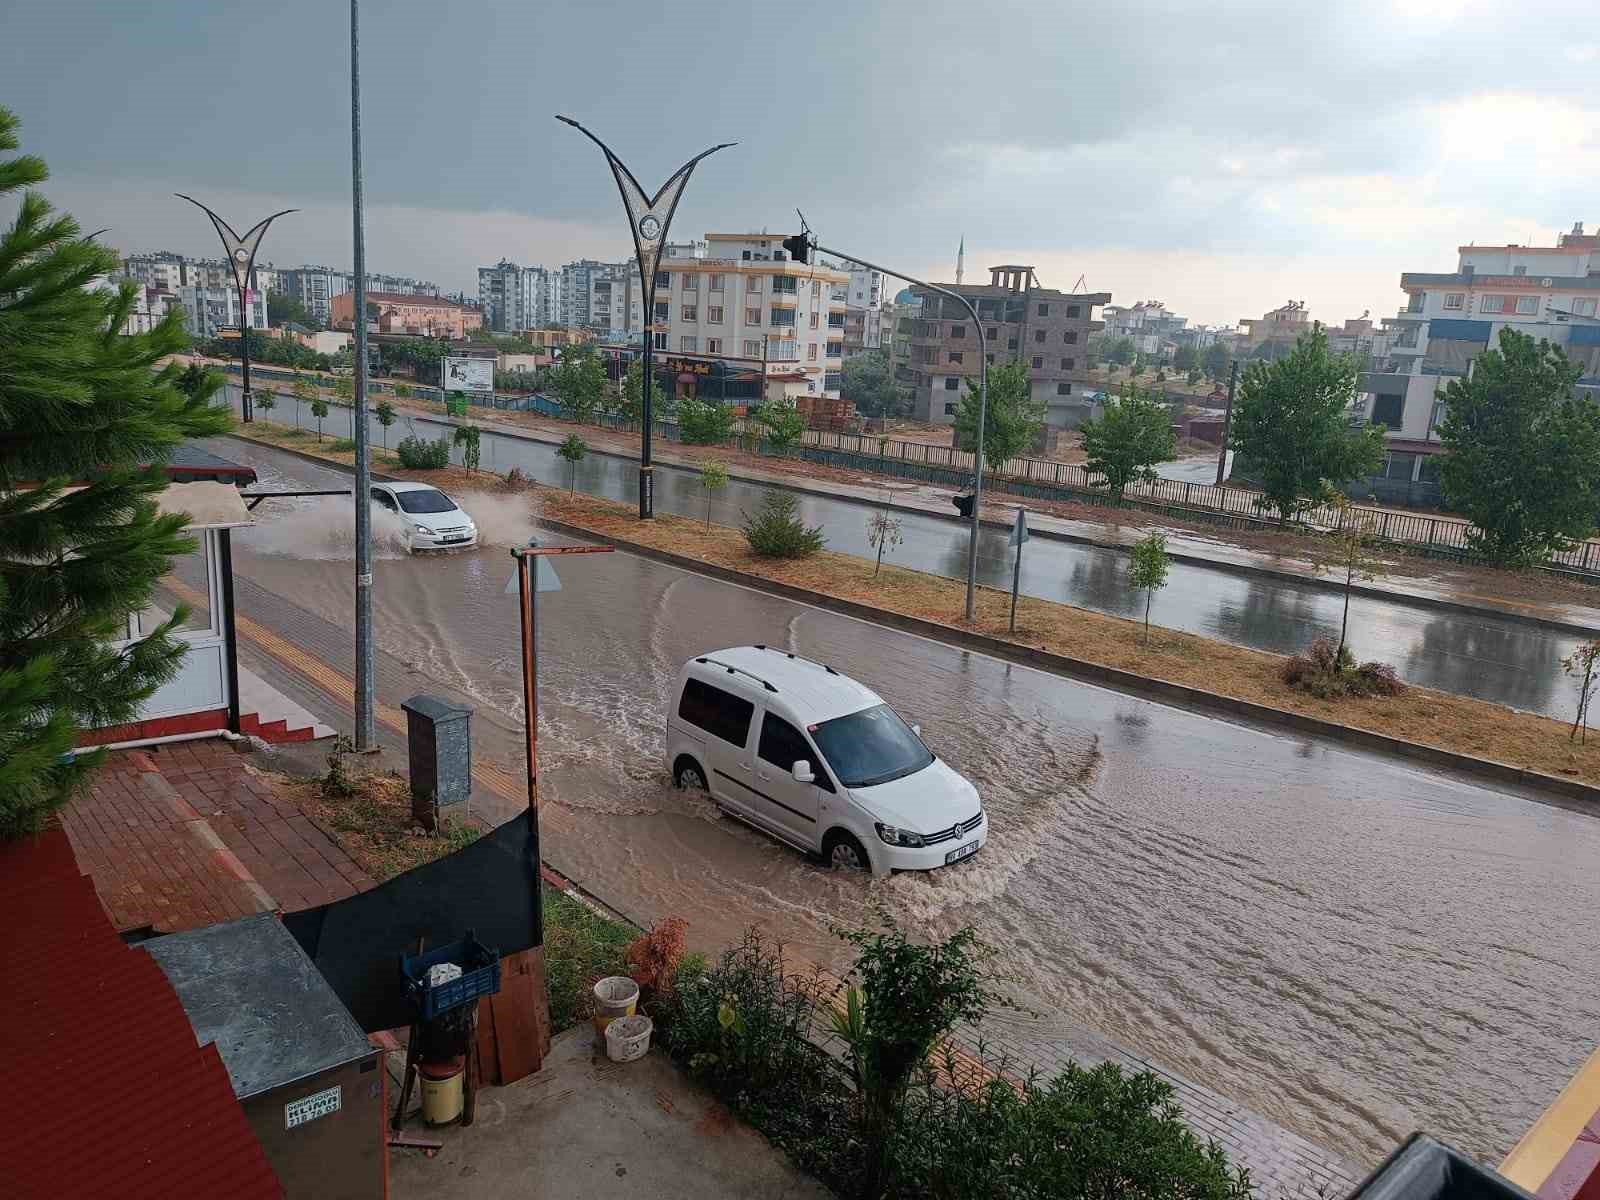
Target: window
x,y
1435,416
994,333
752,349
691,312
1584,307
835,349
714,314
1066,364
752,284
1063,389
951,383
660,340
719,713
663,279
1044,310
1012,344
815,317
1527,304
1070,337
1038,362
811,352
783,316
663,313
1455,300
832,381
691,282
949,408
816,289
785,284
870,747
1429,471
383,498
958,331
782,745
713,345
1519,270
752,316
1493,304
1387,409
955,356
1038,335
835,320
714,283
1400,466
689,344
1073,310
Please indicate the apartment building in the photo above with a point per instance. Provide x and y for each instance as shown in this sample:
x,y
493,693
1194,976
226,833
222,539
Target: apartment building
x,y
1282,324
1148,324
209,310
1548,292
1042,327
315,287
504,297
609,302
414,316
863,313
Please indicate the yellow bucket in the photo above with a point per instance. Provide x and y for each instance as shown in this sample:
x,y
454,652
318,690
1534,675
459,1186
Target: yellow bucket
x,y
441,1090
615,996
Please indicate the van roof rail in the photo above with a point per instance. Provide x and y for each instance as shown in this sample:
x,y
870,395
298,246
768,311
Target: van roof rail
x,y
733,670
797,657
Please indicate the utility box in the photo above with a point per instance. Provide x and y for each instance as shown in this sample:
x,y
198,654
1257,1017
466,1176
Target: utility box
x,y
310,1083
439,744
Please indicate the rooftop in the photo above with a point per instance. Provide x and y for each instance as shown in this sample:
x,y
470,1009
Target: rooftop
x,y
808,684
410,298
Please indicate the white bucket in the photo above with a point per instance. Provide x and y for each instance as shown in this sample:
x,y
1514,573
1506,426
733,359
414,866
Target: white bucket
x,y
614,996
628,1038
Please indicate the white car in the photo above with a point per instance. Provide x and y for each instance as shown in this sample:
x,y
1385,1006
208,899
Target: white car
x,y
818,760
432,519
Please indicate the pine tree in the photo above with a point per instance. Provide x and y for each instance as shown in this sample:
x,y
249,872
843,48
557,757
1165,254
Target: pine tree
x,y
79,403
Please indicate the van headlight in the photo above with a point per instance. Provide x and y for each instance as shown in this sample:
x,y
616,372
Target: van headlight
x,y
898,837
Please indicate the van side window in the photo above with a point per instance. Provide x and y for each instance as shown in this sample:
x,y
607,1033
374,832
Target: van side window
x,y
782,745
717,712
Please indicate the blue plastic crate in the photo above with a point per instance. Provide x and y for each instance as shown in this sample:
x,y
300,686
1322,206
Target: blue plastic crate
x,y
480,976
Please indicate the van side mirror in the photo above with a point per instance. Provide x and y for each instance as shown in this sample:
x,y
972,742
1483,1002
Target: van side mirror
x,y
802,772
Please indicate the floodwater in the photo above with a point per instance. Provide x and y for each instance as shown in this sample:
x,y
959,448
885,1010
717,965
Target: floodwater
x,y
1479,654
1352,946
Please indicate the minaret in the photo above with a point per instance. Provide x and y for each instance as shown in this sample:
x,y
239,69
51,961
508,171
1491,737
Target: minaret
x,y
961,255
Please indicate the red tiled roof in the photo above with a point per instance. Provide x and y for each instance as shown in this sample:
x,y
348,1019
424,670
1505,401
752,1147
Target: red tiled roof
x,y
121,1101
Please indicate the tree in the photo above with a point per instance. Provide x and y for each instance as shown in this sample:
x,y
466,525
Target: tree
x,y
266,400
344,387
402,391
883,531
1121,350
1185,358
868,383
1216,360
84,410
1581,665
1291,425
304,392
580,381
283,308
632,399
319,410
1148,571
777,531
470,439
1524,452
1193,377
713,477
1014,416
573,450
782,422
1348,550
704,422
385,414
1134,433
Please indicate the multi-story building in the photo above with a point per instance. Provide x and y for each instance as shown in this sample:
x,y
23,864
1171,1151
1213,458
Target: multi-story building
x,y
161,270
609,303
577,293
1282,325
209,310
1548,292
1046,329
421,316
503,296
863,313
315,287
1152,329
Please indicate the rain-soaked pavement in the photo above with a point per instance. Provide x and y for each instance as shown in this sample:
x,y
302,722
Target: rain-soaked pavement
x,y
1356,947
1478,654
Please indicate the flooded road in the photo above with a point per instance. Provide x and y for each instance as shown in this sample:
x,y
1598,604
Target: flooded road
x,y
1480,655
1351,946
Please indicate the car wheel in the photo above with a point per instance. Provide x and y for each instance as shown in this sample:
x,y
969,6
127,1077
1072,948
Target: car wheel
x,y
688,776
843,853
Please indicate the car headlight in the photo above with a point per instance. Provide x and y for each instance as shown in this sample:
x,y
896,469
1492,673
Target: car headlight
x,y
423,529
898,837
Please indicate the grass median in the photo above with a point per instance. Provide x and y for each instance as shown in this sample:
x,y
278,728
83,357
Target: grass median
x,y
1458,724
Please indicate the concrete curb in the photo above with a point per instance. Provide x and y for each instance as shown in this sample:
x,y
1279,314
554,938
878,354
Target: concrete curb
x,y
1125,681
1245,570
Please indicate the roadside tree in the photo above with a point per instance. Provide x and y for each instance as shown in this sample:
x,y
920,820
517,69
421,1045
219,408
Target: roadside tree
x,y
1148,570
1348,551
304,392
266,400
470,439
883,532
1215,360
704,422
344,387
573,450
1581,665
713,478
385,414
631,402
868,383
781,423
319,410
1014,416
1133,433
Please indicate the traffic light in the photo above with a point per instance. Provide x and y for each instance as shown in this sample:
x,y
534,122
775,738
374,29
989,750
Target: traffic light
x,y
963,505
799,247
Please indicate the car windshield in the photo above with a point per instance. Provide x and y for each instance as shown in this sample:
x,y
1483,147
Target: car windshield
x,y
870,747
429,501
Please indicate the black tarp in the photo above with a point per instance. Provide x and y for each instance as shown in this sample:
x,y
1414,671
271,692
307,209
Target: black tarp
x,y
1425,1169
490,887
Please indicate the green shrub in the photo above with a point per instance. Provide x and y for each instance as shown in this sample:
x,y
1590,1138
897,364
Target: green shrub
x,y
777,531
342,445
704,423
1329,673
418,454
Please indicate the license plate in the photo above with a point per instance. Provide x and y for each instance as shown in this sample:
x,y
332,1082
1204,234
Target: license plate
x,y
961,852
457,538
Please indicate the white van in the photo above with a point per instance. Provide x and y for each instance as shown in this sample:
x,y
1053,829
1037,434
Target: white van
x,y
816,759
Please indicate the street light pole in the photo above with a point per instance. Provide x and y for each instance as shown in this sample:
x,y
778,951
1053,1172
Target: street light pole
x,y
649,217
983,411
241,254
1227,423
365,699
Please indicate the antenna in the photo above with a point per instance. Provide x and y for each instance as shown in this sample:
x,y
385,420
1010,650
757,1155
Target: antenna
x,y
1083,281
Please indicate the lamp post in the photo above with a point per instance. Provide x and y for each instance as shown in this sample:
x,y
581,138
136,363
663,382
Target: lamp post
x,y
649,217
801,244
241,253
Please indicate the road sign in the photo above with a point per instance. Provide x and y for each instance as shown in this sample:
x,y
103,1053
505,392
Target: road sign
x,y
1019,531
545,578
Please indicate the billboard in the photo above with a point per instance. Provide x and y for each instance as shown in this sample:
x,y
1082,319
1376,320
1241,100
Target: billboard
x,y
468,374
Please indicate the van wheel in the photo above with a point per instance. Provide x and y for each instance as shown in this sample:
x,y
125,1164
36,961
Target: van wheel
x,y
686,773
842,852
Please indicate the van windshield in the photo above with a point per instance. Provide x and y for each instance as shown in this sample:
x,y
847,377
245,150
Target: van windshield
x,y
870,747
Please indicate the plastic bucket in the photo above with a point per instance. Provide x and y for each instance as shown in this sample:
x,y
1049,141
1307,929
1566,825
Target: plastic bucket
x,y
628,1038
614,996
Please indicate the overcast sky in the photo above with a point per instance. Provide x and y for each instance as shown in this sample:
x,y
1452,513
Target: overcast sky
x,y
1224,158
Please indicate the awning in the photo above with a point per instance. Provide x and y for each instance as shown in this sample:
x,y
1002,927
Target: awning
x,y
207,505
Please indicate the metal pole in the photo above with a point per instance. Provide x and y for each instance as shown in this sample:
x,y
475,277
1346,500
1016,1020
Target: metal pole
x,y
527,595
647,499
246,406
366,733
1227,421
983,411
230,628
1016,582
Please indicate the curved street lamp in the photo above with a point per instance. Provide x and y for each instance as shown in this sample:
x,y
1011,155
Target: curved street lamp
x,y
649,217
241,254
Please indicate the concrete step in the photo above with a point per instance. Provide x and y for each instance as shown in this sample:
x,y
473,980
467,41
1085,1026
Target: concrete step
x,y
268,714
